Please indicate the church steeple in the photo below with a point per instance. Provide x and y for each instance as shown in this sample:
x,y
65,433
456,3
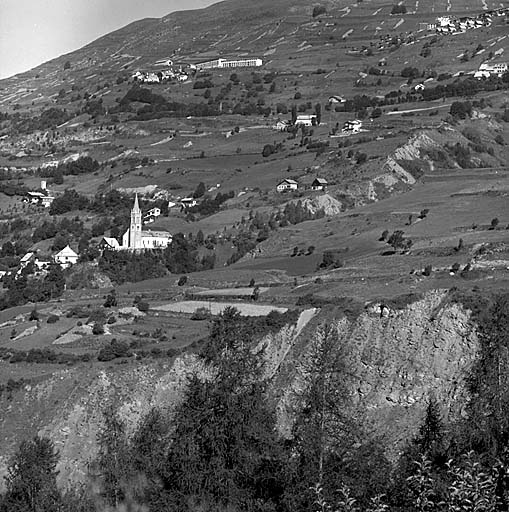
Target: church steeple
x,y
136,207
135,239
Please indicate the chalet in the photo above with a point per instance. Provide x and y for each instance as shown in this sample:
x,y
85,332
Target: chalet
x,y
286,185
151,215
281,126
352,126
66,257
38,198
306,120
319,184
336,99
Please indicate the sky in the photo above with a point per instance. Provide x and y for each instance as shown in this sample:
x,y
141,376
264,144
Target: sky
x,y
35,31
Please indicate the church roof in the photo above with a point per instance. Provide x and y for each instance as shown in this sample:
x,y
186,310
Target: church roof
x,y
136,206
162,234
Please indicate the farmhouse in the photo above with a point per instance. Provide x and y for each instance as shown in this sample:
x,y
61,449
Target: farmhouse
x,y
137,239
286,185
352,126
281,125
319,184
306,120
66,257
38,198
223,63
151,215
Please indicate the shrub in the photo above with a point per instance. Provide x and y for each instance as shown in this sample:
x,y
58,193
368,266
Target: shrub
x,y
494,223
201,314
182,281
143,306
319,9
52,319
34,315
98,329
427,270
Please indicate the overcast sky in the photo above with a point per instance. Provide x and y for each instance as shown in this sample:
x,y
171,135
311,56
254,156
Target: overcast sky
x,y
35,31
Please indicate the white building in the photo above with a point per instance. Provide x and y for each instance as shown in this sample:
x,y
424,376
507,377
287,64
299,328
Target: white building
x,y
223,63
492,69
286,185
137,239
352,126
306,120
66,257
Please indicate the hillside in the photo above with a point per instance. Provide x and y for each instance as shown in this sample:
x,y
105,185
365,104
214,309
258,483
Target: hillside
x,y
346,196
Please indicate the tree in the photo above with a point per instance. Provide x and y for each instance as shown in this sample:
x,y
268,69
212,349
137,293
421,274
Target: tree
x,y
111,300
113,461
318,113
199,190
67,64
294,114
494,223
319,9
323,431
224,452
31,478
461,109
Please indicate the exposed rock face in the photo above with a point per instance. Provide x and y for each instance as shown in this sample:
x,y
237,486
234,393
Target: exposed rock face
x,y
395,360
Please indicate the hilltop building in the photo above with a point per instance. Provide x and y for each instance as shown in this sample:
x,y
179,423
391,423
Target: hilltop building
x,y
137,239
223,63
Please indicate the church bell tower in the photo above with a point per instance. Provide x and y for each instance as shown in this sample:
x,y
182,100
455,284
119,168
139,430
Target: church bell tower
x,y
135,240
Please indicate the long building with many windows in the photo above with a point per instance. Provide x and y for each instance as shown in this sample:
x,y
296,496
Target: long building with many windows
x,y
224,63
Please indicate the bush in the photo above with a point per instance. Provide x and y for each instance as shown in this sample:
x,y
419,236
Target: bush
x,y
143,306
52,319
319,9
98,329
34,315
200,314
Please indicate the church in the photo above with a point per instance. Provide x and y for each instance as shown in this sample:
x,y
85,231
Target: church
x,y
135,238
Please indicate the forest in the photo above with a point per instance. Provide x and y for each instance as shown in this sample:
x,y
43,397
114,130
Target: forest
x,y
221,450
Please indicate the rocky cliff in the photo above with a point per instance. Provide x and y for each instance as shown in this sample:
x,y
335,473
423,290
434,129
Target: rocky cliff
x,y
396,358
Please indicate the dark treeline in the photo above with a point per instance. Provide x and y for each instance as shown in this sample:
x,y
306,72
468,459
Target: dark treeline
x,y
24,288
220,449
180,257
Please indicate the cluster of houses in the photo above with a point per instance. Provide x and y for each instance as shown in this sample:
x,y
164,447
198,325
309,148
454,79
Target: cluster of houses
x,y
65,258
453,25
40,197
289,185
157,77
